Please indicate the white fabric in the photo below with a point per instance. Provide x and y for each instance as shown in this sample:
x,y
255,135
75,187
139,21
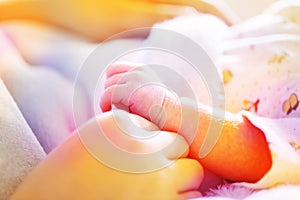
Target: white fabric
x,y
20,151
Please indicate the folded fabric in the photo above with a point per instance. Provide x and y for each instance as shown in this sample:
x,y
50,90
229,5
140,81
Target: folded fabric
x,y
43,96
284,139
260,65
232,192
63,54
45,99
20,151
258,60
52,48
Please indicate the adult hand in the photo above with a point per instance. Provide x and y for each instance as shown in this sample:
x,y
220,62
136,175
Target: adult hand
x,y
74,171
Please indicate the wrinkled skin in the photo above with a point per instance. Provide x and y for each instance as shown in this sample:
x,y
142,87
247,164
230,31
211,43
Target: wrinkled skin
x,y
240,145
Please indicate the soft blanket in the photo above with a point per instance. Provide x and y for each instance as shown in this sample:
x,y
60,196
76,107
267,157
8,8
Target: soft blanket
x,y
257,59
